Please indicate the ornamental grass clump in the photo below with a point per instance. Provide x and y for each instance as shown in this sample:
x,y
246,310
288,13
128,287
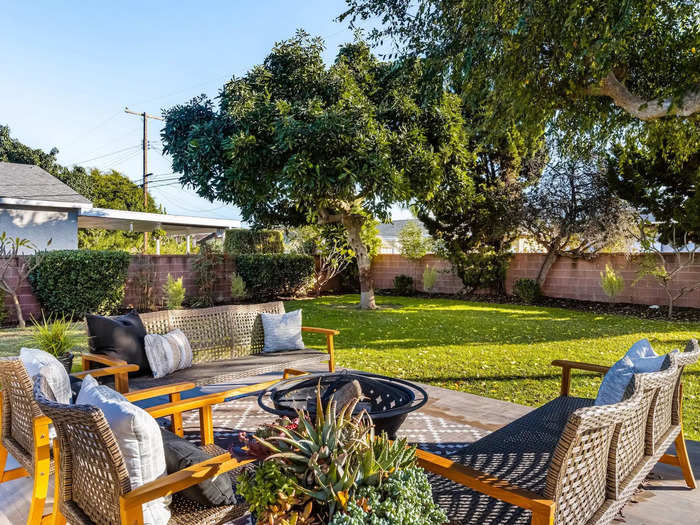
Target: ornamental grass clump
x,y
334,469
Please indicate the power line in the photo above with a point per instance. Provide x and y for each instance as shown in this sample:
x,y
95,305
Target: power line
x,y
108,154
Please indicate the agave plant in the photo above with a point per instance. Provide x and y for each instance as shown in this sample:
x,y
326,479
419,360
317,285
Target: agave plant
x,y
336,453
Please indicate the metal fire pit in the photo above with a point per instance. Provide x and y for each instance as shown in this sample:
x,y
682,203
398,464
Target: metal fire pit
x,y
387,400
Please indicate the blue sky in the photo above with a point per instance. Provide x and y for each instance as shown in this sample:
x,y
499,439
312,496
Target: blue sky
x,y
68,69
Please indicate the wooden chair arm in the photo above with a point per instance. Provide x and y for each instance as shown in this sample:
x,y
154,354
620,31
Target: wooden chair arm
x,y
194,403
102,359
178,481
327,331
155,391
567,366
107,371
330,347
542,509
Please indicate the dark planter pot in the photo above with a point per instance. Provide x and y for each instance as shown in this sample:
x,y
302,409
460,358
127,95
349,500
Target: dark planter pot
x,y
66,360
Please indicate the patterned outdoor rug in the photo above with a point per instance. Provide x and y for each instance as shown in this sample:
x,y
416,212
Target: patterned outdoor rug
x,y
434,434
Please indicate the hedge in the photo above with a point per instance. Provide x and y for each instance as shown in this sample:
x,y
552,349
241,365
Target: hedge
x,y
239,241
273,275
77,282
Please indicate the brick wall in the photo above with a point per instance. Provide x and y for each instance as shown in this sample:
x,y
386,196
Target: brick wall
x,y
568,278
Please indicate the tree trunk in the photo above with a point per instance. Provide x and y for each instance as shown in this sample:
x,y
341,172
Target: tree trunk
x,y
353,225
547,264
18,310
670,305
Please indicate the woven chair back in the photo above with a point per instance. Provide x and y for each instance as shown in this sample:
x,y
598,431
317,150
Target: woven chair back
x,y
92,474
666,408
19,410
629,439
576,479
221,332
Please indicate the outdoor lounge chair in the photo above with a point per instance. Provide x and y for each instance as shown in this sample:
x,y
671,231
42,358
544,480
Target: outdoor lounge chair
x,y
568,462
24,431
227,344
102,493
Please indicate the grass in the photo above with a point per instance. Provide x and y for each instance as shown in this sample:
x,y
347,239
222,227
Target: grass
x,y
500,351
493,350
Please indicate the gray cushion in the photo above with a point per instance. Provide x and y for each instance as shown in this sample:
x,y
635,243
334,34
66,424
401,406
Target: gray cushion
x,y
40,363
180,454
282,331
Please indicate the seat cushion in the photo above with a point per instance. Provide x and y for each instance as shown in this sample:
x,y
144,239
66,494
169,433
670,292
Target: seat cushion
x,y
180,454
227,370
139,439
120,337
519,453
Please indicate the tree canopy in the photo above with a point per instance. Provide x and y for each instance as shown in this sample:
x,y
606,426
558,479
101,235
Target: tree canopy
x,y
296,142
600,64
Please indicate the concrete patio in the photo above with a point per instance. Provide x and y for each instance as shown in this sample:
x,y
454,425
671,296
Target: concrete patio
x,y
449,419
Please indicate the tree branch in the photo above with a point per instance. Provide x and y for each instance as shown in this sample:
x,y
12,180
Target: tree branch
x,y
642,109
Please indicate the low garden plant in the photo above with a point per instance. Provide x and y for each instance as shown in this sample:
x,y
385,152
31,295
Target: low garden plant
x,y
174,292
611,282
334,469
403,284
430,276
238,289
527,289
57,337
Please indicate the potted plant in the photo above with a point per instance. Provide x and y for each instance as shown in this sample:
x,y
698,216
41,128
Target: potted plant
x,y
56,337
335,470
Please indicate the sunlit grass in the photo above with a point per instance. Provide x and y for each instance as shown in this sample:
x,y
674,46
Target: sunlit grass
x,y
500,351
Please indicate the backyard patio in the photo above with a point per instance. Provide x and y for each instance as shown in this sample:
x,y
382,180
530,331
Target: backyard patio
x,y
449,420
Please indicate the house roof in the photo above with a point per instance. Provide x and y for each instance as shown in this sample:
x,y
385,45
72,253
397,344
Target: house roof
x,y
391,230
29,185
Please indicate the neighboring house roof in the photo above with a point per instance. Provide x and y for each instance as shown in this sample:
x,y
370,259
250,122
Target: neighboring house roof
x,y
392,229
137,221
29,185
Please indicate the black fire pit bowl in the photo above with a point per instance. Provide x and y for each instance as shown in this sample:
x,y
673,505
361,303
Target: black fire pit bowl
x,y
387,400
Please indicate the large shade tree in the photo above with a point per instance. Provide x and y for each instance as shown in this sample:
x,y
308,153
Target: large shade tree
x,y
296,142
598,64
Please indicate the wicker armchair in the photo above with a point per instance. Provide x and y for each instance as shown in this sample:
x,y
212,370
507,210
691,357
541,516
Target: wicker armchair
x,y
92,482
227,344
24,431
567,462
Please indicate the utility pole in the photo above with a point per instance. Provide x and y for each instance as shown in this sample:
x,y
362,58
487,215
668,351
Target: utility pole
x,y
145,116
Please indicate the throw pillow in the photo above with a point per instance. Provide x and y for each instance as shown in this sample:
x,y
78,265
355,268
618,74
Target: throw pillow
x,y
282,331
180,454
40,363
639,359
139,440
119,337
167,353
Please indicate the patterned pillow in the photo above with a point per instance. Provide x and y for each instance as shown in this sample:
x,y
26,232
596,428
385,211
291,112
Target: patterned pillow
x,y
282,331
40,363
167,353
139,440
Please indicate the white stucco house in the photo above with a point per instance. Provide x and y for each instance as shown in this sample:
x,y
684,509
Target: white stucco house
x,y
37,206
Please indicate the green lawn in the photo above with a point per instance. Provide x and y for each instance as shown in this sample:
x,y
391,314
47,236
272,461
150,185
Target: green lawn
x,y
501,351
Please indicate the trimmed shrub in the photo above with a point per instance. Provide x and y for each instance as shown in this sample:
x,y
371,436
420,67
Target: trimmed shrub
x,y
174,292
79,282
273,275
527,289
403,284
240,241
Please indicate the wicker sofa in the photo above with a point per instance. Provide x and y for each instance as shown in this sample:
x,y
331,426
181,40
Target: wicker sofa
x,y
227,344
568,462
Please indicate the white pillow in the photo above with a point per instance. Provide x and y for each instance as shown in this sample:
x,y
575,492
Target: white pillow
x,y
40,363
139,440
167,353
639,359
282,331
